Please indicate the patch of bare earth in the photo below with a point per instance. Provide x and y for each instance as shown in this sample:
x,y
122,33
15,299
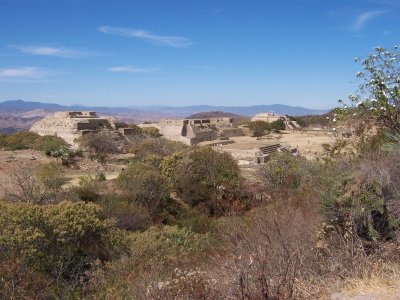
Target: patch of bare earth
x,y
12,161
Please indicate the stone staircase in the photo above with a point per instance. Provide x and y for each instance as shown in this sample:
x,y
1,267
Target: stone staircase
x,y
270,149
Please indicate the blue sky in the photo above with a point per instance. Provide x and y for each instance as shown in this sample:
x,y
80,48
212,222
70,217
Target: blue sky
x,y
189,52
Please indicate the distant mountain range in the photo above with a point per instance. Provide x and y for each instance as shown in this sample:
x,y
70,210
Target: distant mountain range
x,y
22,114
280,109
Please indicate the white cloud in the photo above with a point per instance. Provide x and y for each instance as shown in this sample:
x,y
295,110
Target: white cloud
x,y
172,41
53,51
23,72
130,69
363,18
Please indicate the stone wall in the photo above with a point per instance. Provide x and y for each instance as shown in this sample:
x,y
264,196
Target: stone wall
x,y
194,131
71,125
266,117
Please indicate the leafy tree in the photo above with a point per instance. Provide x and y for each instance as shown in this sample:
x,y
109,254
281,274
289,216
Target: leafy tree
x,y
379,91
210,178
158,146
144,185
259,128
278,125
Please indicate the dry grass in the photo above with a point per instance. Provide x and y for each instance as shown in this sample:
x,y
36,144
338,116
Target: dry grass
x,y
381,278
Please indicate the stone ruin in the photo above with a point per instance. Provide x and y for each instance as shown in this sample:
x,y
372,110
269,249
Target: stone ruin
x,y
71,125
266,117
255,156
272,117
194,131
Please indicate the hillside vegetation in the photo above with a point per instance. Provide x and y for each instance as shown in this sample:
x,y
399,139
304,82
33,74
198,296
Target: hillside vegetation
x,y
183,222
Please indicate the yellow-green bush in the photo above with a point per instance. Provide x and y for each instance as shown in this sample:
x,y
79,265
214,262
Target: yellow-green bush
x,y
156,253
159,146
49,144
21,140
61,240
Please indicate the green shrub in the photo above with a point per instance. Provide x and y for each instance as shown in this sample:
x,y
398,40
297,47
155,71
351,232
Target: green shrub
x,y
52,176
88,189
3,141
146,186
167,245
282,171
157,146
98,143
156,253
151,132
49,144
128,215
61,240
22,140
168,166
194,221
278,125
259,128
360,202
210,178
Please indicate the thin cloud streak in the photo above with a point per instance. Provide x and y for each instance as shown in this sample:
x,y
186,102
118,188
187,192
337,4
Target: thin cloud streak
x,y
363,18
163,40
23,72
130,69
53,51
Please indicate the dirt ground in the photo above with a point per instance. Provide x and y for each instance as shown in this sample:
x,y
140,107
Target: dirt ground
x,y
308,143
12,161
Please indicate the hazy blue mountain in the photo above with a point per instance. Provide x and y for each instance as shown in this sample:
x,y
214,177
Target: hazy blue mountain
x,y
153,113
280,109
20,105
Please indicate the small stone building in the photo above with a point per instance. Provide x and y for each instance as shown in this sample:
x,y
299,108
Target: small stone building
x,y
194,131
70,125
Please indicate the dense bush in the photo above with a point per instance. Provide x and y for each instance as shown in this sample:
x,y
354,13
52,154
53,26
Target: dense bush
x,y
283,171
52,176
151,132
22,140
278,125
98,143
87,190
208,178
157,146
30,140
363,200
61,241
144,185
315,120
156,253
49,144
3,141
259,127
128,215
